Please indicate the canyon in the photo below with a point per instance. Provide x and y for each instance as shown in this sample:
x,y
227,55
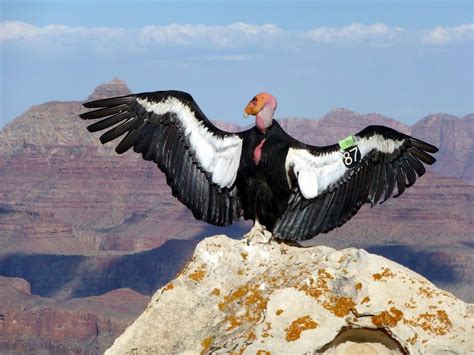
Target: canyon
x,y
82,225
33,324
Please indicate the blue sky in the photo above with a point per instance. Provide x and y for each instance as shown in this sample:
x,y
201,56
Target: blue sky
x,y
403,59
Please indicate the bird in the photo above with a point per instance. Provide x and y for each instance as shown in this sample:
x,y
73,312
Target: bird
x,y
291,190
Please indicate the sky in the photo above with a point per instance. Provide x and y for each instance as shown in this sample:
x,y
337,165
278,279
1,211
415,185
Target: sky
x,y
403,59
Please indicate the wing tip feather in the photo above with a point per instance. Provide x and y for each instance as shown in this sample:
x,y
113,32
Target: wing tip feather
x,y
424,146
109,102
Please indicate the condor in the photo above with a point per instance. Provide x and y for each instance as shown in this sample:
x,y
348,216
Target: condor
x,y
291,190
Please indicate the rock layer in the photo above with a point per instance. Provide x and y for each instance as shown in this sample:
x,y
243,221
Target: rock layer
x,y
31,324
271,299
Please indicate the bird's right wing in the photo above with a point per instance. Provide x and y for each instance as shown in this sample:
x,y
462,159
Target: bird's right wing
x,y
168,127
330,184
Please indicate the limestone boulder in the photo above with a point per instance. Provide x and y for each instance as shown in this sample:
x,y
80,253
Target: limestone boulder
x,y
275,298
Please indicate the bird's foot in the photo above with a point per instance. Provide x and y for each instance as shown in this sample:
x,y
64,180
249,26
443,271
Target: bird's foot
x,y
258,235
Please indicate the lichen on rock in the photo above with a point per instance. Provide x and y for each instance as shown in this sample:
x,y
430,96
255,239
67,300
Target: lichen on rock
x,y
256,299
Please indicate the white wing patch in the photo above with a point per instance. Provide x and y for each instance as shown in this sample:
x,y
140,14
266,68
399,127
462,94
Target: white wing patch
x,y
218,156
316,173
378,142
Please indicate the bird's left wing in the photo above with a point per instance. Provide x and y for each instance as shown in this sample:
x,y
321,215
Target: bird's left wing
x,y
330,184
168,127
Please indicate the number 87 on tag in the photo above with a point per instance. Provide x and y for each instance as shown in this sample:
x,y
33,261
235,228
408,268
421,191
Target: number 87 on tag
x,y
350,152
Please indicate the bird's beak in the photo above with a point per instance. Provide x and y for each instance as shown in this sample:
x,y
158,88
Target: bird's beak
x,y
252,108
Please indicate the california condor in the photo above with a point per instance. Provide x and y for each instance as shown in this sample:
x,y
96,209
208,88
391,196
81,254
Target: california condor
x,y
292,190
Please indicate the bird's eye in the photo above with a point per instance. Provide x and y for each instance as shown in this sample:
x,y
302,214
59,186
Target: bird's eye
x,y
254,99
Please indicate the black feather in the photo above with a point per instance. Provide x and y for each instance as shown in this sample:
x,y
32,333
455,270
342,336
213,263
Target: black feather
x,y
325,223
381,183
104,112
409,172
222,208
186,186
119,130
142,145
186,166
342,201
131,139
374,184
347,209
179,157
400,176
415,164
204,191
227,210
115,101
292,233
193,187
169,146
368,171
110,121
333,214
389,181
304,218
424,157
358,187
213,204
311,213
423,145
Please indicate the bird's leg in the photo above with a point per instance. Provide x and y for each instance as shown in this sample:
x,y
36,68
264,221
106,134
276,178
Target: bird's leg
x,y
258,234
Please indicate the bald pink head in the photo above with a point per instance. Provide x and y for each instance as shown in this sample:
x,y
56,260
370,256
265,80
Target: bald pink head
x,y
263,106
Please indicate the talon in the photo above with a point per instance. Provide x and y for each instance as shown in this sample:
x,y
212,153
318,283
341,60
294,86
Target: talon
x,y
258,235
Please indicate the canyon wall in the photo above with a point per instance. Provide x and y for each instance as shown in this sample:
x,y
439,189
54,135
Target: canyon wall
x,y
77,221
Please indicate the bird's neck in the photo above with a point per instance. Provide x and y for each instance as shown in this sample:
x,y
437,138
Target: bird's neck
x,y
264,118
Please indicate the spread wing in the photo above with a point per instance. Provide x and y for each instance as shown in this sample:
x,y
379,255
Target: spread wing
x,y
330,185
168,127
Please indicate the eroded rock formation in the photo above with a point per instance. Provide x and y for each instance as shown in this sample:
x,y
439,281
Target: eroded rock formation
x,y
273,299
31,324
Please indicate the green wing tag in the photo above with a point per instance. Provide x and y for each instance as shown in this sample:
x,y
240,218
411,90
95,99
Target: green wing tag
x,y
350,151
347,142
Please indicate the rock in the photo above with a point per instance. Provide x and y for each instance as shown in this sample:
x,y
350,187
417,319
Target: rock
x,y
116,87
273,299
37,325
16,283
455,138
